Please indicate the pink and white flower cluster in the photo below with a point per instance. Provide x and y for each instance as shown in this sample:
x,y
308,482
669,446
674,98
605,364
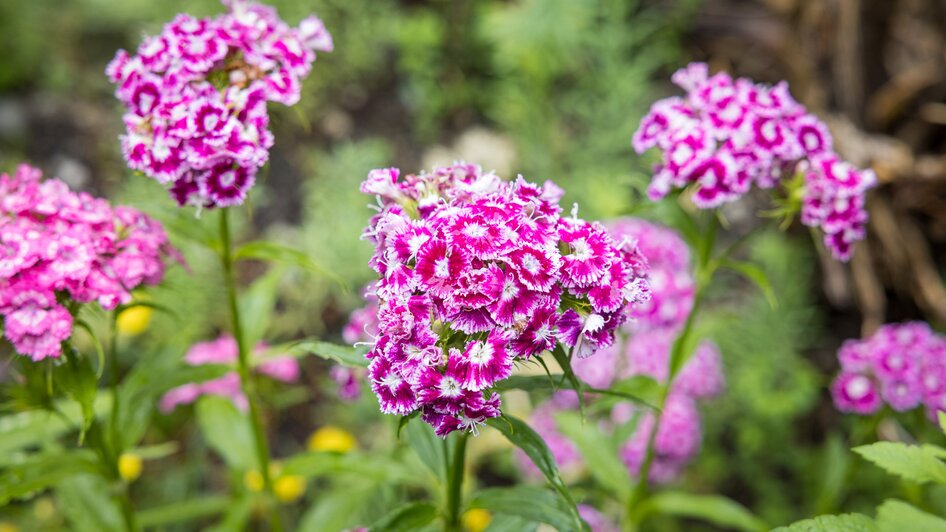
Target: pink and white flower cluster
x,y
196,96
224,350
901,365
727,134
58,248
475,273
647,352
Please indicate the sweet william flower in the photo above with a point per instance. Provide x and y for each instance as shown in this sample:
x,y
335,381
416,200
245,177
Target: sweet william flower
x,y
901,365
62,248
727,135
196,97
475,273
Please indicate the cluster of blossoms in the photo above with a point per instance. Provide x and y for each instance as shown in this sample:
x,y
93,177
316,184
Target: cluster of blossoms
x,y
196,97
726,135
647,352
224,351
901,365
59,248
475,273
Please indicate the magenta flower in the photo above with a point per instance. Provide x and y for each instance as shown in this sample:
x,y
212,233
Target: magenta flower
x,y
475,273
196,98
727,135
224,351
59,246
901,365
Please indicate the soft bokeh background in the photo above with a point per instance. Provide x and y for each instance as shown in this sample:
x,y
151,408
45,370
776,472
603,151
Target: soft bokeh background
x,y
551,89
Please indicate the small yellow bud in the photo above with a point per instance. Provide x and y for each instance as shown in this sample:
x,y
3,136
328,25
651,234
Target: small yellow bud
x,y
253,480
44,509
129,466
6,526
329,438
476,520
134,321
289,488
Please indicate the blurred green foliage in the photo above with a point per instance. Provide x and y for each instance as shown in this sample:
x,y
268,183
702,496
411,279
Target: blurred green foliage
x,y
561,84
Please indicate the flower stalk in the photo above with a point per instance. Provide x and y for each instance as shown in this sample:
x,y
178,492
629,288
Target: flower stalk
x,y
705,268
247,383
456,464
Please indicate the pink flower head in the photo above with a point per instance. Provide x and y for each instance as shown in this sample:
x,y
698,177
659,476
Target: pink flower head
x,y
57,245
901,365
196,98
224,351
727,135
475,273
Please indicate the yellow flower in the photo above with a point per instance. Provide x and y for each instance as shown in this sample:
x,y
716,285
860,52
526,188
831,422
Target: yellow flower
x,y
134,321
253,480
329,438
289,488
476,519
6,526
129,466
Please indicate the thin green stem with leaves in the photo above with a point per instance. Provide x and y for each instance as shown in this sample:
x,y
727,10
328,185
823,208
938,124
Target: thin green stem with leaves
x,y
705,268
247,383
456,464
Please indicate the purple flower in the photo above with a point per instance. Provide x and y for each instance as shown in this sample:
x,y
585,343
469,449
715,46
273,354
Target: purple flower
x,y
475,273
727,135
196,98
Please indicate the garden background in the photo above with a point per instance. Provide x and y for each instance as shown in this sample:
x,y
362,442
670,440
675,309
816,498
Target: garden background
x,y
551,89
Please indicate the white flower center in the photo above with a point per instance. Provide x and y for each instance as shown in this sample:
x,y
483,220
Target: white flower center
x,y
481,353
442,268
858,387
581,248
531,264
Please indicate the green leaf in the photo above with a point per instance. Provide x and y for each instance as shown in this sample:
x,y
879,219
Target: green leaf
x,y
912,462
237,516
42,471
34,427
273,252
344,355
530,503
377,467
510,523
183,511
522,436
718,510
428,447
832,523
755,274
564,361
78,380
257,304
85,502
407,518
227,431
639,389
897,516
338,509
599,455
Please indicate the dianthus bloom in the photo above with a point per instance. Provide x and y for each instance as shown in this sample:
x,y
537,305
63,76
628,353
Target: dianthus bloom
x,y
900,365
224,350
59,247
647,352
476,273
196,96
726,135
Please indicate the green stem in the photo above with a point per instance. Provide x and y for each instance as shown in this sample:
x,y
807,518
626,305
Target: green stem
x,y
247,383
456,462
127,507
704,272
